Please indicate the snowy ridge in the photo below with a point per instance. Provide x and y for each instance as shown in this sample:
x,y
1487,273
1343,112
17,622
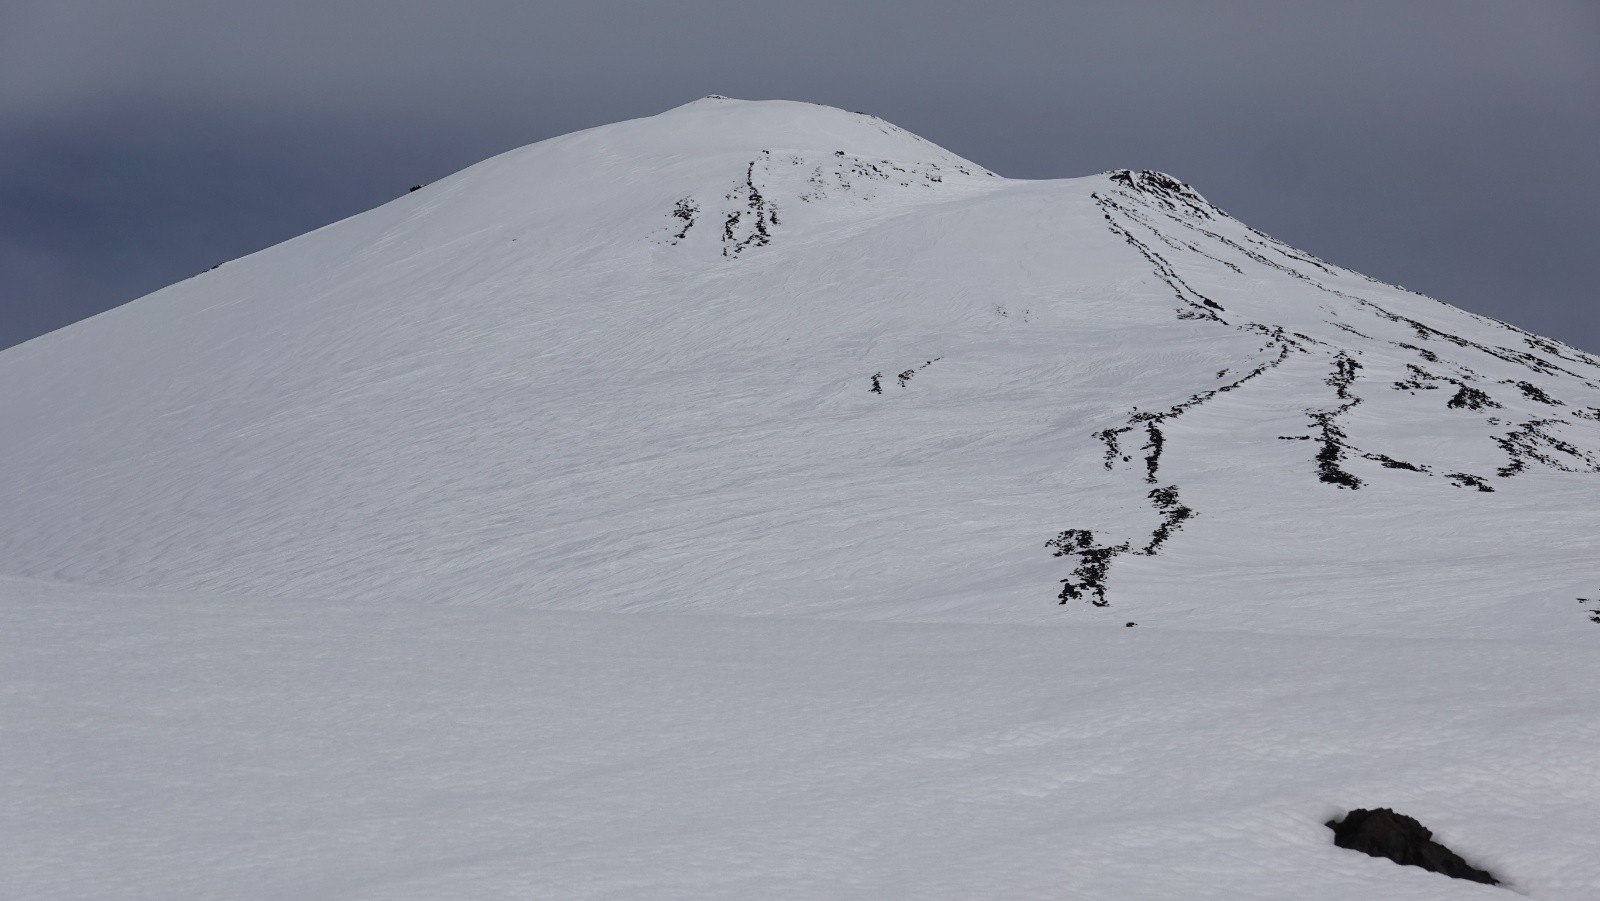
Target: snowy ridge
x,y
1150,208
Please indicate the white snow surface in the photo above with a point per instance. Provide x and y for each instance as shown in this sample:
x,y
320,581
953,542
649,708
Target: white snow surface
x,y
539,534
196,747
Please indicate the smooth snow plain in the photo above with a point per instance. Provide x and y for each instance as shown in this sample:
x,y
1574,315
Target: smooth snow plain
x,y
199,747
538,534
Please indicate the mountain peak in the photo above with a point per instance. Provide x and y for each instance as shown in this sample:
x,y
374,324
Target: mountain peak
x,y
1169,191
717,124
775,357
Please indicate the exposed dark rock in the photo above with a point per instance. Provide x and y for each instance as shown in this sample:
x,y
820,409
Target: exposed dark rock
x,y
1094,561
1165,190
1196,305
1173,515
1152,460
1534,392
1569,354
1531,441
1426,354
1332,437
1113,449
1426,332
685,211
762,213
1359,334
1420,380
1156,440
1332,452
1470,399
1594,612
1397,837
1391,463
1468,480
1345,369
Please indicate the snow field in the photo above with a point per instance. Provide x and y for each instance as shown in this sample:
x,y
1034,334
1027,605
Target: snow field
x,y
163,747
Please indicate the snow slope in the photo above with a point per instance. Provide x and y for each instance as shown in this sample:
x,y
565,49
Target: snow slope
x,y
535,382
214,748
311,562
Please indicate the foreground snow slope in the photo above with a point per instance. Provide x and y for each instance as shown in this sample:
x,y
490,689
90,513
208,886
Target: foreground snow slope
x,y
208,747
631,369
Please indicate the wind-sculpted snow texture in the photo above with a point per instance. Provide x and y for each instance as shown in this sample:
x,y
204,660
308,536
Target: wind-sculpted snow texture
x,y
344,570
776,358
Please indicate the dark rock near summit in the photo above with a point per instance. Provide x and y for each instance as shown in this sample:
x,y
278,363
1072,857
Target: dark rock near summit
x,y
1384,833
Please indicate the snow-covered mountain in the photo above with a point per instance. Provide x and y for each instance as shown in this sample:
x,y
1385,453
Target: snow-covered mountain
x,y
777,359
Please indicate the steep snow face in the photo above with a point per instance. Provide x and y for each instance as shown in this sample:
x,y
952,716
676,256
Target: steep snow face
x,y
775,358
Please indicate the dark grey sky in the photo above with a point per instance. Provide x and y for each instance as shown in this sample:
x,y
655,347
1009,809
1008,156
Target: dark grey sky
x,y
1450,146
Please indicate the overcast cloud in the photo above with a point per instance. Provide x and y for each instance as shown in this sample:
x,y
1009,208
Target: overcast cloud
x,y
1449,146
